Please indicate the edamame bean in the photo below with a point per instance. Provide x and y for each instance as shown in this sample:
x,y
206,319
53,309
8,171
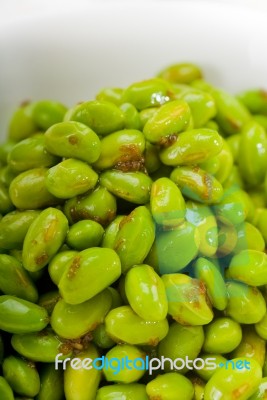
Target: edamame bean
x,y
5,390
14,279
240,382
31,153
181,73
145,292
82,383
88,273
170,386
22,376
21,316
84,234
250,267
192,147
137,227
102,116
222,336
73,139
44,238
124,326
167,203
120,391
70,178
73,321
51,383
187,300
251,346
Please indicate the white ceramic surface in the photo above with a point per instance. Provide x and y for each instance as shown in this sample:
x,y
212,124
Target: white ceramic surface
x,y
69,53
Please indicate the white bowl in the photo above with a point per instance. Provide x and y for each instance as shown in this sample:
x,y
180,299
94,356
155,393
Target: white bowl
x,y
68,54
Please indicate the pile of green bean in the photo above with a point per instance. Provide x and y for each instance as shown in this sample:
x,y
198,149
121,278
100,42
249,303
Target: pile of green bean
x,y
135,225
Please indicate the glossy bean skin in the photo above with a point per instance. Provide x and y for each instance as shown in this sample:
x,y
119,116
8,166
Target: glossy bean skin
x,y
145,292
248,238
6,202
21,316
122,150
44,238
58,263
260,393
84,234
131,186
114,95
41,347
46,113
231,381
181,73
232,115
131,116
51,383
31,181
125,375
252,346
208,273
5,390
82,383
187,300
249,266
139,227
124,326
120,391
73,321
99,205
222,336
22,376
102,116
252,155
254,100
246,304
22,124
170,386
175,249
73,139
192,147
88,273
14,279
261,327
203,218
197,184
167,203
70,178
111,231
101,337
180,342
14,226
148,93
167,122
31,153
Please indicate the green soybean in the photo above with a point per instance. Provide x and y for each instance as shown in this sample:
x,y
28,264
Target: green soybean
x,y
73,321
120,391
51,383
41,346
204,144
187,300
102,116
84,234
31,153
137,227
44,238
22,376
58,263
14,226
167,122
122,150
88,273
46,113
170,386
250,267
196,184
222,336
6,392
82,383
31,181
73,139
241,381
14,279
167,203
145,292
70,178
21,316
131,186
124,326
